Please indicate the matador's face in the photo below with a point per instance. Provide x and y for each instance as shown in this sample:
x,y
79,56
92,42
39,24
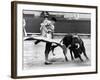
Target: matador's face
x,y
53,22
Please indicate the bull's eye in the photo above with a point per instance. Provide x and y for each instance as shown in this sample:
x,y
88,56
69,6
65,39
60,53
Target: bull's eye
x,y
77,44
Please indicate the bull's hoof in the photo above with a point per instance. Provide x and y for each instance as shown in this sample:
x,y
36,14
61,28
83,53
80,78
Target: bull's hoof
x,y
53,54
67,60
47,63
87,59
72,59
82,60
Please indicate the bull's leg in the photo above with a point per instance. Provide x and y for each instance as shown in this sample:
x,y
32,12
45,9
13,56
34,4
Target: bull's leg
x,y
53,52
85,55
52,49
80,58
47,50
71,55
64,52
84,52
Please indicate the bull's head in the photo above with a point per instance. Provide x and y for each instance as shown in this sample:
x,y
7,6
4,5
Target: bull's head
x,y
75,42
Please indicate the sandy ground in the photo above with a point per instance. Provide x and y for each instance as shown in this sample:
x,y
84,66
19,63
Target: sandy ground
x,y
33,56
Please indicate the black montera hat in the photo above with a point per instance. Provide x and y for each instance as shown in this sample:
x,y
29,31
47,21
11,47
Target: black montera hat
x,y
54,19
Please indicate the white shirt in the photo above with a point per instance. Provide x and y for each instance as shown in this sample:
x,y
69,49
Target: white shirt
x,y
46,26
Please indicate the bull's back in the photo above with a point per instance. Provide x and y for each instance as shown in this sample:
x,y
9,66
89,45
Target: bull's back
x,y
67,40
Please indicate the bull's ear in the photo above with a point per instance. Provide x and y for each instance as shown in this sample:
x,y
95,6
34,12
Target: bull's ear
x,y
73,41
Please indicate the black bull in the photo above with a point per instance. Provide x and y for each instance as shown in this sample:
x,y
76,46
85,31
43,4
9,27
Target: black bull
x,y
74,44
69,41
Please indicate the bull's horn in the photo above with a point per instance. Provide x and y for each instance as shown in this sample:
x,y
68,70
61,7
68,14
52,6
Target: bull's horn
x,y
78,45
